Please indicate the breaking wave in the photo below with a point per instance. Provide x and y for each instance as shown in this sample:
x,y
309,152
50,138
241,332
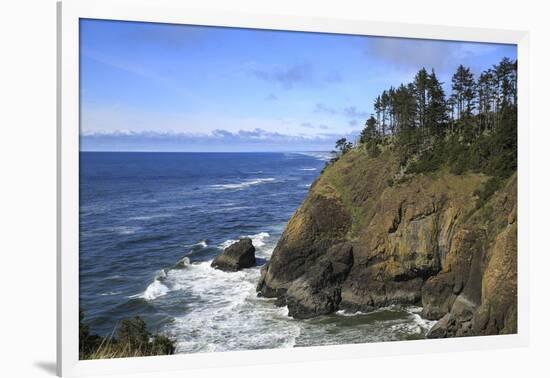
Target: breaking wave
x,y
244,184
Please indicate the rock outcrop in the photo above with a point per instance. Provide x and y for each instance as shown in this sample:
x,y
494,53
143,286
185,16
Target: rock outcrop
x,y
317,292
237,256
359,241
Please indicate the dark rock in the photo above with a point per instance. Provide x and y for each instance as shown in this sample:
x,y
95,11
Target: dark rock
x,y
318,224
237,256
317,292
281,301
439,330
438,296
261,281
363,292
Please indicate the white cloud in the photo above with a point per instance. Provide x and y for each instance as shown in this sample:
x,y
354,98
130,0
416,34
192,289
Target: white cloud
x,y
217,140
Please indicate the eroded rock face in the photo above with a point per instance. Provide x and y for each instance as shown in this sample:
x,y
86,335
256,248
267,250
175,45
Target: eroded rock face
x,y
357,243
317,292
317,225
236,257
487,305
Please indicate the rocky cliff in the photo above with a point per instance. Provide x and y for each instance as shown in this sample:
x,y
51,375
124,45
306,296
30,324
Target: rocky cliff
x,y
368,236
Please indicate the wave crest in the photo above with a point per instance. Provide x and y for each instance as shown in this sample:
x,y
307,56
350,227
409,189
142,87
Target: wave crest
x,y
244,184
258,240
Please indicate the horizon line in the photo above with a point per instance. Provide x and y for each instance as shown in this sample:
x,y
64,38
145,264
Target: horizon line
x,y
207,152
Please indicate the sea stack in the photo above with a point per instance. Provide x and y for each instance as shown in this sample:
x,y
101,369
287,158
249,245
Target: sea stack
x,y
236,257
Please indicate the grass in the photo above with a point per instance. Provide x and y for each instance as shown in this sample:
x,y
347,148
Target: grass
x,y
132,340
346,179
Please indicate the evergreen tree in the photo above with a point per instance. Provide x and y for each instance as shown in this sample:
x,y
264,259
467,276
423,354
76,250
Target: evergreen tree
x,y
421,95
391,110
378,108
463,85
404,107
473,129
343,146
486,99
385,105
369,133
436,112
505,75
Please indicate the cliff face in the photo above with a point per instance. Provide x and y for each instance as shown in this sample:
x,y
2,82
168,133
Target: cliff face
x,y
360,241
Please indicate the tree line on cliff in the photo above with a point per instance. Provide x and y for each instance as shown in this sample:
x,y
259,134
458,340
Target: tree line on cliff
x,y
472,129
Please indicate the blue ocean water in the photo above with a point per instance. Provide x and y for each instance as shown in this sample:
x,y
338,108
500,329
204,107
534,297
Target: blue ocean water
x,y
141,213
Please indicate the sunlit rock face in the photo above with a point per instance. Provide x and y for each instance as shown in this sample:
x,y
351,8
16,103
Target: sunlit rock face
x,y
362,240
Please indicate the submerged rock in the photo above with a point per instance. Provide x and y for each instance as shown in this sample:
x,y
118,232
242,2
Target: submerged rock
x,y
236,257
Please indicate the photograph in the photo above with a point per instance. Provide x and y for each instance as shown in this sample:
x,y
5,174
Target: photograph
x,y
246,189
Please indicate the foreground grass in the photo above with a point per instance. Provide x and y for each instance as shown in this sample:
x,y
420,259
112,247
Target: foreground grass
x,y
130,339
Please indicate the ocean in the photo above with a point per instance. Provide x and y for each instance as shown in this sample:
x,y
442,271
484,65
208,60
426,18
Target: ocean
x,y
141,213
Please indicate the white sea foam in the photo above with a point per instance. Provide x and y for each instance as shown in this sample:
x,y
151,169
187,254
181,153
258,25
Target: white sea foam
x,y
155,290
307,169
227,243
244,184
416,324
125,230
110,293
345,313
185,261
423,324
222,310
152,216
414,309
258,240
235,318
201,243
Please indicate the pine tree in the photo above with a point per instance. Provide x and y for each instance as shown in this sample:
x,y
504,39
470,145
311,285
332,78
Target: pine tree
x,y
378,108
480,116
343,146
404,105
505,75
463,85
391,109
436,112
486,99
369,133
421,94
385,103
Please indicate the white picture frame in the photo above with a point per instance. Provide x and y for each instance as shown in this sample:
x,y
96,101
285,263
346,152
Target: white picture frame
x,y
166,11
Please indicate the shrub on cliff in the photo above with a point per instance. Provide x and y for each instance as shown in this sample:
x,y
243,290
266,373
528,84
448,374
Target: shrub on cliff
x,y
132,340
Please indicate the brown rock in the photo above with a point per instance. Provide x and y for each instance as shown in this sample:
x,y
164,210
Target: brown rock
x,y
426,241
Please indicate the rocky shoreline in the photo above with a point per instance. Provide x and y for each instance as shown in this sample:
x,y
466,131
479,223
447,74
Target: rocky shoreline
x,y
361,242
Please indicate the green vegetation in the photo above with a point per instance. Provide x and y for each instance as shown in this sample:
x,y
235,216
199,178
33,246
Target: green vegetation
x,y
472,130
132,340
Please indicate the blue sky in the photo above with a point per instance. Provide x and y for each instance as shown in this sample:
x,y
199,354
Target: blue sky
x,y
161,87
